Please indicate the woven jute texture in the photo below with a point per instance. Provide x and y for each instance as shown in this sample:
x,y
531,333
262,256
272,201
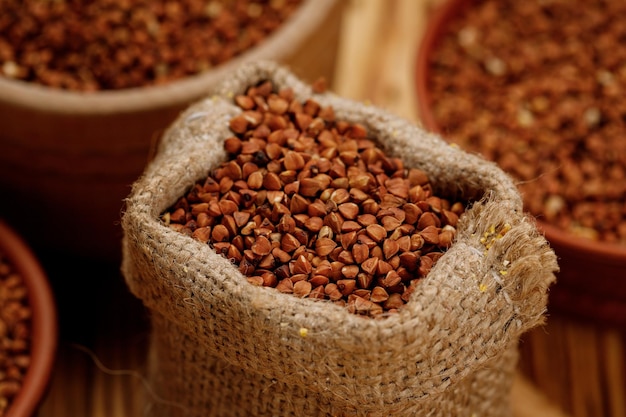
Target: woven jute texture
x,y
223,347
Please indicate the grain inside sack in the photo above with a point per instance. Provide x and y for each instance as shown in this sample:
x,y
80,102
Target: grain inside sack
x,y
212,224
309,205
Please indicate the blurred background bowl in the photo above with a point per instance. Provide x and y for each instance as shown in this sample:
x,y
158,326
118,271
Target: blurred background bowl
x,y
43,343
591,284
68,159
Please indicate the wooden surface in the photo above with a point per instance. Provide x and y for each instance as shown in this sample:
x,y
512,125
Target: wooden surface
x,y
100,365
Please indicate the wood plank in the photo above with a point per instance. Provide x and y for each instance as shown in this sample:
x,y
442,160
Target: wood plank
x,y
378,50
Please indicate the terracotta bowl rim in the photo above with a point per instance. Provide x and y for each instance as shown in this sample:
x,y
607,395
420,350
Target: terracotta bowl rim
x,y
283,42
44,322
602,251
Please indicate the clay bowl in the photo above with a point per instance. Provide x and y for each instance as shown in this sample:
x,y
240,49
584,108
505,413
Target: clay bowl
x,y
591,285
69,158
43,323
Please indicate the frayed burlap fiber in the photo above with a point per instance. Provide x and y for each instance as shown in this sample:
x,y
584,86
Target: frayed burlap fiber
x,y
223,347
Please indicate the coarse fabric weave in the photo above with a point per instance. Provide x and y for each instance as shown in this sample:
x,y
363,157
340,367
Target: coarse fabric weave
x,y
223,347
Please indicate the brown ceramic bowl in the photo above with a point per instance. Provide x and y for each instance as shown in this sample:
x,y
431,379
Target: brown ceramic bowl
x,y
71,158
591,284
44,323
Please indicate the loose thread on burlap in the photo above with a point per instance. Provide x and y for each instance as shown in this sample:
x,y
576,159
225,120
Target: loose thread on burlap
x,y
555,169
128,372
196,115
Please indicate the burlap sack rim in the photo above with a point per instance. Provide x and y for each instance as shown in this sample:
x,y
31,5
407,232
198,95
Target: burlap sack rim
x,y
415,322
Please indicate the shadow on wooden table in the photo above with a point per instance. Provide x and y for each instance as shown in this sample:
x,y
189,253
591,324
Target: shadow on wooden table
x,y
103,339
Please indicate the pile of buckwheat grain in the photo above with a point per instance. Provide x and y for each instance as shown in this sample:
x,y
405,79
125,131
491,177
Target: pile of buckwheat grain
x,y
538,87
117,44
311,206
15,333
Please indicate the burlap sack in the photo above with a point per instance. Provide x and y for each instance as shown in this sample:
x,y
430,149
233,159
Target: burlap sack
x,y
222,347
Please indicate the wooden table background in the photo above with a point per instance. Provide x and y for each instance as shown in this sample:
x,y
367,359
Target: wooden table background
x,y
103,329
